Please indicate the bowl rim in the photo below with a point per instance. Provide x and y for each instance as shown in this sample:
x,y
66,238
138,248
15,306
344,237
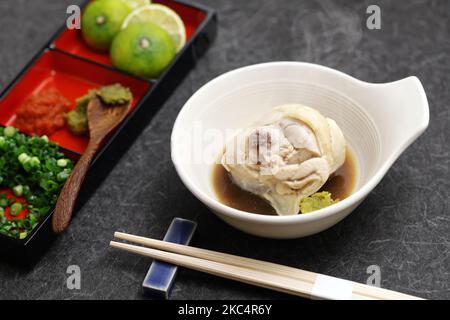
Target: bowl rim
x,y
348,202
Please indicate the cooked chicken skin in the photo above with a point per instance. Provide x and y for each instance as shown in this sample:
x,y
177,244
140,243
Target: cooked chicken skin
x,y
286,156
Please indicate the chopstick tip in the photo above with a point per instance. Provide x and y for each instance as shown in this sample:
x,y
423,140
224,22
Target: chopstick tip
x,y
119,235
113,244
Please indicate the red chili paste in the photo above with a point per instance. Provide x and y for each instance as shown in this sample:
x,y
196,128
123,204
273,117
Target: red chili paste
x,y
42,113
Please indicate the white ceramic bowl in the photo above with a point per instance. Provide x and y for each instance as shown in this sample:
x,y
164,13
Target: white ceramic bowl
x,y
379,122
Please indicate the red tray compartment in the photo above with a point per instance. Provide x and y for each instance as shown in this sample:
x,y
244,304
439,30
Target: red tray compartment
x,y
73,78
72,41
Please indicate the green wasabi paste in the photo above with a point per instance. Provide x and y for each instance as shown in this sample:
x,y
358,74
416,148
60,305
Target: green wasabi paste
x,y
316,201
111,95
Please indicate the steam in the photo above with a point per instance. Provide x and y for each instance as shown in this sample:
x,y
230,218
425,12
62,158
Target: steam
x,y
317,33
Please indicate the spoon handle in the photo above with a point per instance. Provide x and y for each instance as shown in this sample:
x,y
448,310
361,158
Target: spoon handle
x,y
69,193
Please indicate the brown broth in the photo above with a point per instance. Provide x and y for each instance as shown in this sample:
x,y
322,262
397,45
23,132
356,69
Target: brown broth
x,y
341,184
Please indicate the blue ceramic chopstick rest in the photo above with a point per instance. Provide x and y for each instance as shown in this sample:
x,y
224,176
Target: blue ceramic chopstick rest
x,y
161,275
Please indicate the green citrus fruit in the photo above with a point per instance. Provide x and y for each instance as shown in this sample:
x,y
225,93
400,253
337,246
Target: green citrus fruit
x,y
143,49
134,4
102,20
138,3
164,17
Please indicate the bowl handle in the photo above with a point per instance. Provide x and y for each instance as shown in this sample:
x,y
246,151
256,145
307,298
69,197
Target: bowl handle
x,y
405,109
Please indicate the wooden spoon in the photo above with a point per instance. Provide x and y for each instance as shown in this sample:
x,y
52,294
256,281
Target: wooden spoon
x,y
102,120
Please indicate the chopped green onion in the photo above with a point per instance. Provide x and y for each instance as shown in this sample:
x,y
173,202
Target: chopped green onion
x,y
32,217
18,190
15,209
31,163
23,157
62,163
62,176
26,191
9,132
32,168
35,162
48,185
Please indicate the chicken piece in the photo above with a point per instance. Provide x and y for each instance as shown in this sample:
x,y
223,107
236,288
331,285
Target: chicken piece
x,y
286,156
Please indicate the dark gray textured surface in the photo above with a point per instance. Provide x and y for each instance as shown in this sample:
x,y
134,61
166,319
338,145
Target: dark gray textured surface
x,y
403,226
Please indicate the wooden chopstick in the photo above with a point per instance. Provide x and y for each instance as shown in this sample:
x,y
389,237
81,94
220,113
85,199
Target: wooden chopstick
x,y
254,277
301,279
